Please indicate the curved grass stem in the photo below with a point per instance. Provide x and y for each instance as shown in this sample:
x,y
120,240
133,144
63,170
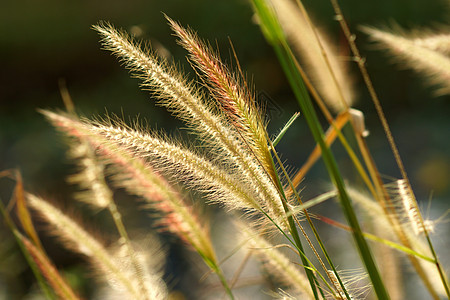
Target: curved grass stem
x,y
361,64
272,30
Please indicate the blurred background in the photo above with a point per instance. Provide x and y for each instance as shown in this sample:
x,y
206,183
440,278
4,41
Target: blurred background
x,y
48,43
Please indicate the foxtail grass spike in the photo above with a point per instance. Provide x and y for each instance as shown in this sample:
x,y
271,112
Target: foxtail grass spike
x,y
236,100
79,240
182,99
416,56
279,264
328,74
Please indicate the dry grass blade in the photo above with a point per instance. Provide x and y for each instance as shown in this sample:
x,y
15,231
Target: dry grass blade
x,y
48,270
23,212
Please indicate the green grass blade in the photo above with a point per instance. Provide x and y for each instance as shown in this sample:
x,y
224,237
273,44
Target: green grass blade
x,y
285,129
295,235
274,35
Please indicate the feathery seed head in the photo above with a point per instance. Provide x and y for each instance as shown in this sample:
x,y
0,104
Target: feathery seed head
x,y
91,176
149,255
328,74
184,164
351,280
82,242
235,99
138,178
417,55
180,98
375,211
134,174
280,265
404,204
439,42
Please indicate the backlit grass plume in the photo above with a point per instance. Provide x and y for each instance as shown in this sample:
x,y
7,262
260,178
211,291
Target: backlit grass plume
x,y
380,220
233,164
139,178
256,188
111,267
428,56
325,67
90,178
231,92
439,42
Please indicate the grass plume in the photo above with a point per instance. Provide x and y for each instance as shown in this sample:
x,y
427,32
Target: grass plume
x,y
79,240
237,102
184,102
416,54
324,65
234,163
278,264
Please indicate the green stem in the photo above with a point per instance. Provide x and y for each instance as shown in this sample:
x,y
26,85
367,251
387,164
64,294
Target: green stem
x,y
314,125
313,122
216,269
274,34
294,232
373,95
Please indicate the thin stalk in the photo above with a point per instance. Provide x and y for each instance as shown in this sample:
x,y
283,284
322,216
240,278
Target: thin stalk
x,y
324,53
292,228
239,270
285,129
294,233
377,189
300,253
392,217
336,125
389,243
316,234
216,269
272,30
361,64
58,284
314,125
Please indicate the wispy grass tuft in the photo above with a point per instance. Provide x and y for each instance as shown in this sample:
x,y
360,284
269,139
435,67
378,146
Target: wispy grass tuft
x,y
234,163
278,264
232,93
79,240
422,55
324,65
184,101
90,177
